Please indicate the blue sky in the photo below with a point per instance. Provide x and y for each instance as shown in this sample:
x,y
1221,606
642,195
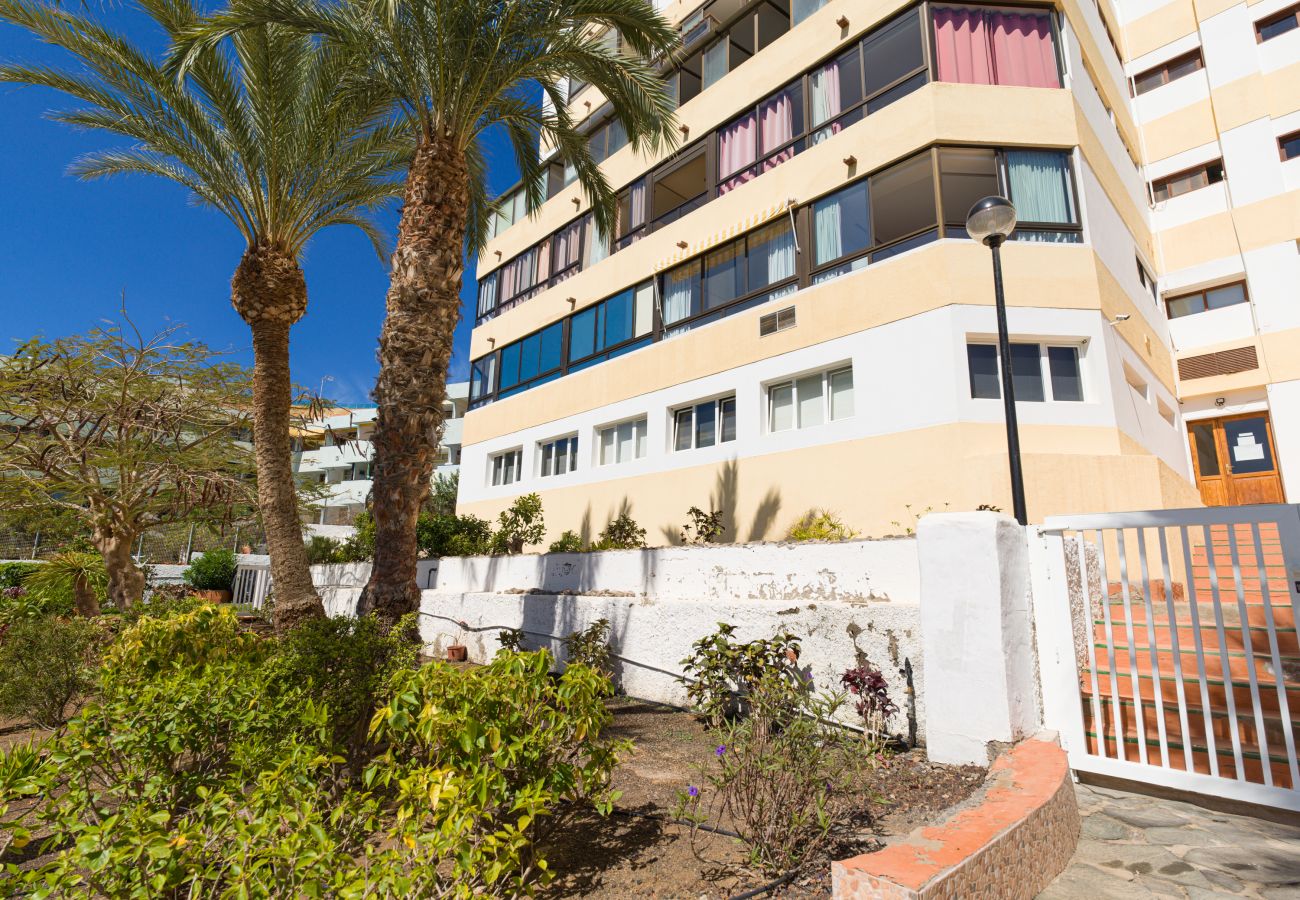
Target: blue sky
x,y
71,248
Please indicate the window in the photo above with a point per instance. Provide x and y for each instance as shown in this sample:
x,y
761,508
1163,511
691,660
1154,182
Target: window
x,y
680,188
995,46
966,176
482,378
810,400
802,9
1039,184
1187,181
755,29
511,208
705,424
1172,70
532,361
761,139
606,139
623,442
1277,24
1288,146
507,467
611,327
1210,298
1147,280
1039,372
559,456
631,214
744,273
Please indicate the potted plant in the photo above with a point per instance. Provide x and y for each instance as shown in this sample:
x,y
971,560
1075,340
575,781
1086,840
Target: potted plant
x,y
212,576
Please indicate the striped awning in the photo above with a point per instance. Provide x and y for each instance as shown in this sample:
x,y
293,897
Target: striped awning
x,y
728,233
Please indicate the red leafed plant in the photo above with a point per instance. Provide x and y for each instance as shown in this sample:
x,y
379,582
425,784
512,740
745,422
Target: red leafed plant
x,y
871,695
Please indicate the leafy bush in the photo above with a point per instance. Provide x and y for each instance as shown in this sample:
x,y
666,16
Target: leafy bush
x,y
213,571
466,535
46,666
322,550
360,545
873,702
519,525
12,574
511,639
443,493
590,647
820,525
569,542
778,774
703,528
483,762
347,664
58,582
622,533
18,603
722,674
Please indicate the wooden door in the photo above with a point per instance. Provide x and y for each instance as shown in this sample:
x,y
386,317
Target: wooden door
x,y
1235,460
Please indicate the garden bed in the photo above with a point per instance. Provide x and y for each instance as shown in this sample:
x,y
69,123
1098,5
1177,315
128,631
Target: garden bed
x,y
640,852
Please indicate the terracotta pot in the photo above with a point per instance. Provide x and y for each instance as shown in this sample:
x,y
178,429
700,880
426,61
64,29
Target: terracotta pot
x,y
214,596
457,653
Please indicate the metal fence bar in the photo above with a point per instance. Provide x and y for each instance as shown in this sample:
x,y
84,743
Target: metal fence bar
x,y
1193,603
1090,622
1248,648
1152,646
1229,682
1139,717
1179,688
1117,713
1279,675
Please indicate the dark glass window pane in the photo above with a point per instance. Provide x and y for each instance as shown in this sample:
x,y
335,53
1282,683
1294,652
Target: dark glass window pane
x,y
1027,372
1207,456
1186,306
902,199
1248,448
982,360
618,319
880,101
724,275
705,424
529,357
582,334
1228,295
552,340
841,224
1290,145
965,176
893,51
728,419
1148,81
1063,366
510,366
1278,26
1181,67
683,429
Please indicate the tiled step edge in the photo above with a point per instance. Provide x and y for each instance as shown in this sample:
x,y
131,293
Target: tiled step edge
x,y
1010,840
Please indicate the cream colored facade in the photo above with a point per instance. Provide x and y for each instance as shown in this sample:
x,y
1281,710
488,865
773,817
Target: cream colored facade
x,y
867,393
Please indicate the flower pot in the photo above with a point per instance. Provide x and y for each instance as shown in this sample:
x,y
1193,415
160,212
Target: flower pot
x,y
457,653
213,596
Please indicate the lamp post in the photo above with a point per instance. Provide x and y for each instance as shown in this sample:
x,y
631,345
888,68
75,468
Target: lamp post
x,y
991,222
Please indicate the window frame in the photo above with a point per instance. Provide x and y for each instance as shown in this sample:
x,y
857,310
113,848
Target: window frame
x,y
1291,12
1203,293
792,382
1165,181
497,470
1162,69
642,420
1284,139
674,417
1044,368
571,442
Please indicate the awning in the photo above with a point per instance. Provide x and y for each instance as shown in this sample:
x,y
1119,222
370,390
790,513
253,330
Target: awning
x,y
728,233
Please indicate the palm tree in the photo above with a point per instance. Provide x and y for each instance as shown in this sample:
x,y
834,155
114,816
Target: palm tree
x,y
457,68
269,132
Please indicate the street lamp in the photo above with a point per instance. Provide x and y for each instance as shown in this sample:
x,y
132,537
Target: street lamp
x,y
991,221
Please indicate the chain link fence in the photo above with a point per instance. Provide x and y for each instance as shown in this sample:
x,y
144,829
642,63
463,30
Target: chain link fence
x,y
166,545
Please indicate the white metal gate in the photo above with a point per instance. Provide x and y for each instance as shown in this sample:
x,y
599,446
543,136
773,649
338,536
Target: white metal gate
x,y
252,584
1168,649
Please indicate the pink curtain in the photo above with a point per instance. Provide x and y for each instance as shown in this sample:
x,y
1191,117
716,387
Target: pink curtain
x,y
737,149
1023,53
509,279
961,46
543,254
777,121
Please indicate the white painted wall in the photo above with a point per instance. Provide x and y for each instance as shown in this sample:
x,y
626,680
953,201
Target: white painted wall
x,y
1214,326
1284,409
1251,162
1274,283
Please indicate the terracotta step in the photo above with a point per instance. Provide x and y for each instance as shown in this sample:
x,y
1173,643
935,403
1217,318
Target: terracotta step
x,y
1251,764
1221,723
1214,663
1237,638
1257,614
1217,691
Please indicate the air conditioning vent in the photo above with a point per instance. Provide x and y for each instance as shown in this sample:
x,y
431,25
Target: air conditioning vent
x,y
777,321
1223,362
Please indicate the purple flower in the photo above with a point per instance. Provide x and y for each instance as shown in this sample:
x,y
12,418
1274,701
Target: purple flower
x,y
722,748
693,791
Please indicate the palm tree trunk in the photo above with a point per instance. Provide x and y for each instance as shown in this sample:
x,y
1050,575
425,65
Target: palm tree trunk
x,y
423,308
270,294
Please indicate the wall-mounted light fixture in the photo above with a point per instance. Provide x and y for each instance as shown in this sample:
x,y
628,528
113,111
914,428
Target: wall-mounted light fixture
x,y
850,160
498,253
1220,401
492,342
842,21
682,244
684,129
1122,317
577,201
573,301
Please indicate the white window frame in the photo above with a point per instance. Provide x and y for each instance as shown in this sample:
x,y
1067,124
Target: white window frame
x,y
553,443
1044,369
638,441
497,469
716,403
825,375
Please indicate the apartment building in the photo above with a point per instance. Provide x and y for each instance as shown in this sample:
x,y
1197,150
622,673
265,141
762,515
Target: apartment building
x,y
791,315
1216,90
335,450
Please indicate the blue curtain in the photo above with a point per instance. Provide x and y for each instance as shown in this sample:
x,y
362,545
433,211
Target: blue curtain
x,y
1040,186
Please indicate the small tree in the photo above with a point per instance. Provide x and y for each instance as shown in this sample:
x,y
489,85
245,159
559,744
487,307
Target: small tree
x,y
126,433
442,494
520,525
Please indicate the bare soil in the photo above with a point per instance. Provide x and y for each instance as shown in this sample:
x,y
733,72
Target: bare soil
x,y
638,852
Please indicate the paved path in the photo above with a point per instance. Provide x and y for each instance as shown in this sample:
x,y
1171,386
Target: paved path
x,y
1138,847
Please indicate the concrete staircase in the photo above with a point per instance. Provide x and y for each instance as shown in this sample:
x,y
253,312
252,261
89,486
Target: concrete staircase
x,y
1158,653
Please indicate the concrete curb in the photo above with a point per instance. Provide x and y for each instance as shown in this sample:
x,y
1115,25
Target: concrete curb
x,y
1016,835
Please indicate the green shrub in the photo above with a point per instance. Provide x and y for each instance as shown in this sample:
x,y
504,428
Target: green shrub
x,y
439,536
778,775
360,545
721,674
590,647
483,763
322,550
213,571
348,665
18,603
46,666
519,525
569,542
55,582
511,639
13,573
820,525
703,527
622,533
